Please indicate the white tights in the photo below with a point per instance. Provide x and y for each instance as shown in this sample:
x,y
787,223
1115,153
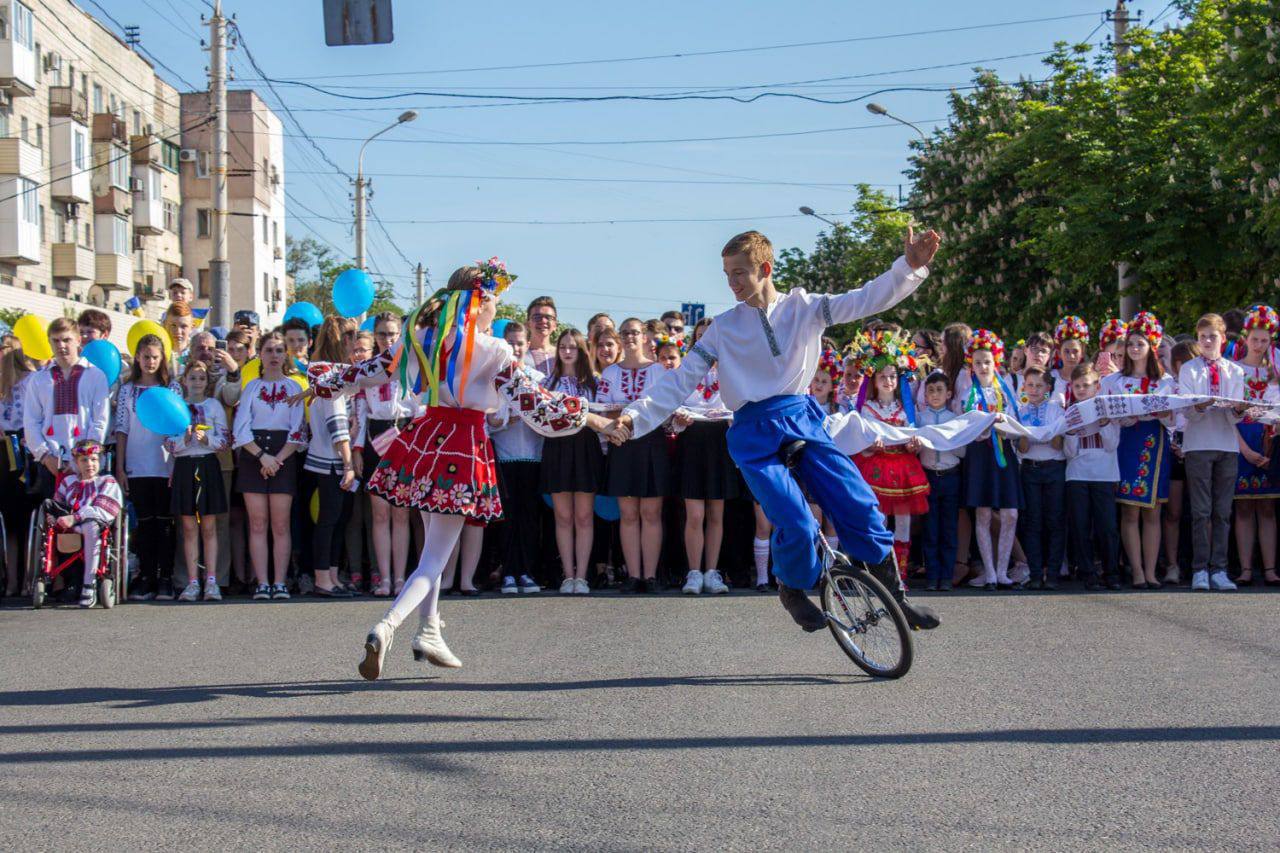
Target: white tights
x,y
997,571
421,591
902,528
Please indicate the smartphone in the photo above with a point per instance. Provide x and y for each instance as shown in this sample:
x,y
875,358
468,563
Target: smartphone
x,y
220,344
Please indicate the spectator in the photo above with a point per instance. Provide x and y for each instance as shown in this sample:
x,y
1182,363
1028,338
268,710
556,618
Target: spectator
x,y
181,291
606,348
598,322
248,322
15,503
179,323
541,355
674,322
94,325
297,340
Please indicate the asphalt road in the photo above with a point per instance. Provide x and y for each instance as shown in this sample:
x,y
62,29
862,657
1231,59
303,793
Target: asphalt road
x,y
1068,721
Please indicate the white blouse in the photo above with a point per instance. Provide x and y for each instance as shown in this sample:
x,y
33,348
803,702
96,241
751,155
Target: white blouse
x,y
620,384
264,406
771,351
327,425
210,414
145,452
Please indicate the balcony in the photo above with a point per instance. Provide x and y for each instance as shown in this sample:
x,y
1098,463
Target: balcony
x,y
114,201
68,102
146,149
20,158
113,272
73,262
17,52
148,206
69,151
108,128
19,221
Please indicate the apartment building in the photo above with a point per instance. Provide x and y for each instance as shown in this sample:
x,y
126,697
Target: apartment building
x,y
89,154
255,192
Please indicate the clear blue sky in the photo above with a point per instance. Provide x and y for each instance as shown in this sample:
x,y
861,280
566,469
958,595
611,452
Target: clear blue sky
x,y
626,268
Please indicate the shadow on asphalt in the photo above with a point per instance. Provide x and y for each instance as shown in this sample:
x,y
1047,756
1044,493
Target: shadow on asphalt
x,y
248,722
403,749
150,697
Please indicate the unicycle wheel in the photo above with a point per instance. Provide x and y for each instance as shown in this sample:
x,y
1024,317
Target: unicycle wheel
x,y
866,622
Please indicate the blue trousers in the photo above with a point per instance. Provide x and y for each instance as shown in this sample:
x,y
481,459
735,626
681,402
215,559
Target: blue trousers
x,y
940,525
758,433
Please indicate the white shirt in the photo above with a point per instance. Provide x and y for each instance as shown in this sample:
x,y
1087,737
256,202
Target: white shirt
x,y
145,451
772,351
1091,457
938,460
263,407
327,425
210,413
1212,429
512,439
55,415
1046,413
385,402
706,397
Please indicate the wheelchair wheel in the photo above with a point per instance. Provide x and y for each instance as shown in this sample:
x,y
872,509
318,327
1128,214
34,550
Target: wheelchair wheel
x,y
35,584
121,552
107,592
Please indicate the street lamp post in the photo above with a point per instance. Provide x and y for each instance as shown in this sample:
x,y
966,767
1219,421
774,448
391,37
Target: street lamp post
x,y
877,109
361,186
808,211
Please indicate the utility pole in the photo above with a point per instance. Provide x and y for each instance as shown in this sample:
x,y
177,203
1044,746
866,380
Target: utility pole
x,y
1126,281
420,275
219,269
360,190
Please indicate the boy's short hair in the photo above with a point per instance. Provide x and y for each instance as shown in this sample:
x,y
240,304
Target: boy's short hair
x,y
97,320
753,244
937,377
1043,339
61,325
239,336
542,302
178,309
1084,370
296,323
1211,321
1233,320
514,326
1029,372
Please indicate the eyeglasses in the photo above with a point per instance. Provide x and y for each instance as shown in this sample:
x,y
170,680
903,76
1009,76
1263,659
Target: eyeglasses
x,y
631,333
675,329
533,318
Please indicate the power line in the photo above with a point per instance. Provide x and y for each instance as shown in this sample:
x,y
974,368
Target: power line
x,y
378,221
170,21
568,179
619,221
687,54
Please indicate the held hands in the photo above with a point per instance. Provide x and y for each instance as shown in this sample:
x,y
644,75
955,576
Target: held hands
x,y
66,522
619,432
682,419
348,477
301,397
1255,458
1200,407
919,250
357,462
914,445
50,462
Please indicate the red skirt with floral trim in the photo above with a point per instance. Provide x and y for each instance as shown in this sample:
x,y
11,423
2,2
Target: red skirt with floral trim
x,y
442,462
898,479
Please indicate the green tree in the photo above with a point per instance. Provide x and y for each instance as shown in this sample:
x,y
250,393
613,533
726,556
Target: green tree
x,y
313,269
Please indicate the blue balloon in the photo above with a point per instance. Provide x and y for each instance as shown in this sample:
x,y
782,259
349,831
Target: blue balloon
x,y
368,324
103,355
353,293
163,412
499,327
305,310
607,508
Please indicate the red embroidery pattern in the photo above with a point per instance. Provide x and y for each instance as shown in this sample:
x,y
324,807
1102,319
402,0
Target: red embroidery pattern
x,y
66,389
273,394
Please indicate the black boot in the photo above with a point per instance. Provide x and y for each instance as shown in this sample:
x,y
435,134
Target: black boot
x,y
804,611
918,616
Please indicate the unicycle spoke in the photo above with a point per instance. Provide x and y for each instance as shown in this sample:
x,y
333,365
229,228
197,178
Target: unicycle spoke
x,y
866,623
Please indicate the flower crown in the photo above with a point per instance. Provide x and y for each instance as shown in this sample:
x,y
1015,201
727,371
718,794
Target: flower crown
x,y
661,340
1146,324
1070,327
1113,330
884,349
985,339
86,447
1262,317
831,364
493,277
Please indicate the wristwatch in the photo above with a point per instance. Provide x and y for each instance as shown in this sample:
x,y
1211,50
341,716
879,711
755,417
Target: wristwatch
x,y
261,453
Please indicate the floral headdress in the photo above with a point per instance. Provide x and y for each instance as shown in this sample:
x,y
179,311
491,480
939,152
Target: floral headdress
x,y
985,339
1113,330
884,348
1262,317
662,339
86,447
1146,324
831,364
1071,327
457,312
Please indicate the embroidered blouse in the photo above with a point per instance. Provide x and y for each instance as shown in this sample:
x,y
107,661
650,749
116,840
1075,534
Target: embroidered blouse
x,y
145,452
328,425
11,409
207,413
60,409
264,406
97,500
620,384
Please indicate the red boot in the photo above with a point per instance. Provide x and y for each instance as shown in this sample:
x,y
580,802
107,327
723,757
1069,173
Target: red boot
x,y
901,553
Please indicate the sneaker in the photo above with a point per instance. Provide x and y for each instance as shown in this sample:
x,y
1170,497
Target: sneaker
x,y
580,587
143,591
569,587
1200,581
649,586
211,590
693,582
164,590
1219,581
714,583
1173,576
192,592
279,592
527,585
88,596
262,592
509,585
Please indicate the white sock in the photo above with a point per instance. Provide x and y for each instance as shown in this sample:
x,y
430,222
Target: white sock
x,y
760,550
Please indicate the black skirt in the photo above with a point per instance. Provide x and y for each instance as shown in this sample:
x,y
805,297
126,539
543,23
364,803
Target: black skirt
x,y
641,468
574,463
249,477
985,483
702,458
197,486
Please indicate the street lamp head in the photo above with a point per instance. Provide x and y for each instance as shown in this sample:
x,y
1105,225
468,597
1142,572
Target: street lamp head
x,y
876,109
806,210
407,115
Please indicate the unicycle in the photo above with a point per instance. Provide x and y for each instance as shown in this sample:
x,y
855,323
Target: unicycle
x,y
861,613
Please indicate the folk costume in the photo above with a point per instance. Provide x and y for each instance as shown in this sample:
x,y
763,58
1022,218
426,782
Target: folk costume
x,y
1144,456
1252,481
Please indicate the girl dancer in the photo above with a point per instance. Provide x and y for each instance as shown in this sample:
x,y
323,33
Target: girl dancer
x,y
442,464
992,483
1143,455
1256,483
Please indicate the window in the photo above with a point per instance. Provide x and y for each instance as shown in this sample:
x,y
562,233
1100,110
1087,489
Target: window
x,y
80,142
39,64
59,226
84,84
171,156
119,166
41,215
153,180
137,123
202,164
204,222
5,112
275,286
40,140
202,284
170,216
120,235
88,236
25,129
114,107
275,234
266,231
23,31
97,98
30,201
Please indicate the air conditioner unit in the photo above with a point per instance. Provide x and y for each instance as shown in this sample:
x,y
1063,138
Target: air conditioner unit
x,y
187,155
278,253
135,185
138,243
53,61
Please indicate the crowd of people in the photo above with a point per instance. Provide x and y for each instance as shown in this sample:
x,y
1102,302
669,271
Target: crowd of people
x,y
271,492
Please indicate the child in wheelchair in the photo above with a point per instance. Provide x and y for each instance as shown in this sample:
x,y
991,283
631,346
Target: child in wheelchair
x,y
87,502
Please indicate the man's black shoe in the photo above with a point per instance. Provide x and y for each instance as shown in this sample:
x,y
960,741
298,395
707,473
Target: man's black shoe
x,y
804,611
918,616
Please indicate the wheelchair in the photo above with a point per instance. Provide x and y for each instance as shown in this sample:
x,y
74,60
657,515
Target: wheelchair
x,y
50,552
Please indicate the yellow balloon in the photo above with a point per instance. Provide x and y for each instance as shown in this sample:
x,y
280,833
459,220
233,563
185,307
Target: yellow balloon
x,y
30,331
141,329
315,507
